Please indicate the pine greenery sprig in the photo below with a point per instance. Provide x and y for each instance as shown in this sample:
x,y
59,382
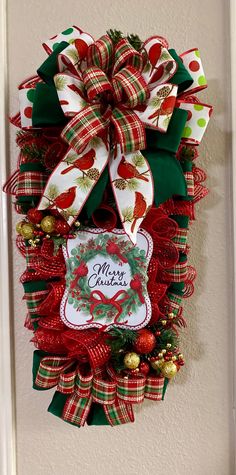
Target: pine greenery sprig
x,y
115,35
118,339
33,152
133,39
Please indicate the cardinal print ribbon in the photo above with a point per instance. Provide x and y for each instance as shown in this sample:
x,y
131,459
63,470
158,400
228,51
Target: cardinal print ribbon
x,y
107,94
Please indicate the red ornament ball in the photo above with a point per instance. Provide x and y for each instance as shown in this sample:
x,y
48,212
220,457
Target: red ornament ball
x,y
145,341
61,227
34,216
144,368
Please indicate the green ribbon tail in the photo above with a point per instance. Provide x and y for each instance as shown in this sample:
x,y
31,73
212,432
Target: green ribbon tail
x,y
167,172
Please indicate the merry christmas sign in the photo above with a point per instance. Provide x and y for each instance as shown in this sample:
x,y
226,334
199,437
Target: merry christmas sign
x,y
106,280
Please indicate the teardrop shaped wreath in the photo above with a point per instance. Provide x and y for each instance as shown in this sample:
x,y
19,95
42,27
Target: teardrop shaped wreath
x,y
109,135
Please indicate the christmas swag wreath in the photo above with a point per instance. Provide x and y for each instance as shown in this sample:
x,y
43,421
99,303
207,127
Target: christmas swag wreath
x,y
107,182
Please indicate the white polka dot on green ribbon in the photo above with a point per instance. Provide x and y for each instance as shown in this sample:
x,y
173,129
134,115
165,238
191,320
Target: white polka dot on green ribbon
x,y
192,62
196,124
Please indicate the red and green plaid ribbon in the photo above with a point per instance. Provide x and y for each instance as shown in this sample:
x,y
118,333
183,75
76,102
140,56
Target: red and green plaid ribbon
x,y
30,183
115,393
101,53
173,302
34,299
84,126
50,369
154,388
180,239
190,183
178,273
130,130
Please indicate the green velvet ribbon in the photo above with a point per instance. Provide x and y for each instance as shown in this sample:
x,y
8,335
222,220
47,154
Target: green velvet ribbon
x,y
182,77
160,153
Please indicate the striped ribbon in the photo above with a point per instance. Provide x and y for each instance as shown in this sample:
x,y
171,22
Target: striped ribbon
x,y
115,393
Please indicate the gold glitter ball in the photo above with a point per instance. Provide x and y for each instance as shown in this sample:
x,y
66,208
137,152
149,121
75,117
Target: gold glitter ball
x,y
131,360
169,369
19,226
47,224
27,231
157,364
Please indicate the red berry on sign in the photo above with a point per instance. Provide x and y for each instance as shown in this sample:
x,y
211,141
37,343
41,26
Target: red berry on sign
x,y
144,368
145,341
61,227
34,216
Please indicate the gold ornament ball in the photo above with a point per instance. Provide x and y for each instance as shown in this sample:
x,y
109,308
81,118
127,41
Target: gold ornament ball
x,y
131,360
27,231
19,226
157,364
169,369
48,224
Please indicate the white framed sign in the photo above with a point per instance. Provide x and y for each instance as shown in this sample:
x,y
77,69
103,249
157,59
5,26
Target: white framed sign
x,y
106,280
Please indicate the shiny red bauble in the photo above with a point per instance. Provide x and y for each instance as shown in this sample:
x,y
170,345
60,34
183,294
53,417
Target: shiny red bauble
x,y
145,341
34,216
61,227
144,368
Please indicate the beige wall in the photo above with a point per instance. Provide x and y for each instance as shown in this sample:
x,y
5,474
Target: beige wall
x,y
190,432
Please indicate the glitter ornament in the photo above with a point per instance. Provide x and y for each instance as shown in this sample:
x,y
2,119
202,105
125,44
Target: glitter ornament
x,y
131,360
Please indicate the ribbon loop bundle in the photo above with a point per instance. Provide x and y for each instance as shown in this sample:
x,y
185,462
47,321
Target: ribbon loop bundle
x,y
115,393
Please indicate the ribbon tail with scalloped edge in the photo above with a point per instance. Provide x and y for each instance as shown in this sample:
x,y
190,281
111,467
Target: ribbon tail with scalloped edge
x,y
133,189
72,181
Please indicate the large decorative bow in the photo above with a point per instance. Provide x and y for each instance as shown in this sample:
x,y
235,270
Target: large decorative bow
x,y
78,389
110,94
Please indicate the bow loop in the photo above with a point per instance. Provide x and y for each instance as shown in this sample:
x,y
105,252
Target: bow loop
x,y
135,88
100,53
126,55
160,65
96,82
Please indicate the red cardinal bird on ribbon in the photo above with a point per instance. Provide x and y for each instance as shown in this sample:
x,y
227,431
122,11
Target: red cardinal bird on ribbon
x,y
127,170
65,199
83,163
140,209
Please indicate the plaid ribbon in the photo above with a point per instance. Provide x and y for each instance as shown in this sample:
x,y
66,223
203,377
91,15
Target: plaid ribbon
x,y
30,183
84,126
115,393
190,183
180,239
100,53
130,130
34,299
173,303
96,82
178,273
